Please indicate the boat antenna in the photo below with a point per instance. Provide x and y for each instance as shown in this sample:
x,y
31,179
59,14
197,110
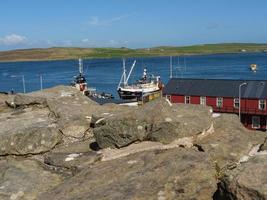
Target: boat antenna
x,y
80,66
170,66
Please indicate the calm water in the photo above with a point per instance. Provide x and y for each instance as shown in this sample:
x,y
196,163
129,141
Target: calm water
x,y
104,74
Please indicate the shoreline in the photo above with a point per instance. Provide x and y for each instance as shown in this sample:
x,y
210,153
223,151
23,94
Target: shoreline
x,y
139,56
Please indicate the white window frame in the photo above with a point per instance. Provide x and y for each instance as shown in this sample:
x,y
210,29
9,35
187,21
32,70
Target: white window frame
x,y
255,125
169,97
203,101
236,99
262,102
185,99
217,102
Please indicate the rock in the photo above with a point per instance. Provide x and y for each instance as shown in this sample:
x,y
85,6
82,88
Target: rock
x,y
3,99
25,179
75,147
263,146
161,174
27,131
155,121
230,140
26,100
29,141
120,133
248,181
73,161
75,129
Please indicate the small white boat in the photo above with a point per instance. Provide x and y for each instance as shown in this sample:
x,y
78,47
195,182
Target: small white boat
x,y
253,67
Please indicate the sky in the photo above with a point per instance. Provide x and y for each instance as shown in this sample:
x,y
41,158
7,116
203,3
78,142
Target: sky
x,y
130,23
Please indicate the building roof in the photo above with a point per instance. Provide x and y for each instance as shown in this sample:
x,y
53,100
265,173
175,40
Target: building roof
x,y
254,89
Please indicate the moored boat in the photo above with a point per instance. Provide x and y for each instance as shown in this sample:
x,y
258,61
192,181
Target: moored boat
x,y
79,81
148,84
253,67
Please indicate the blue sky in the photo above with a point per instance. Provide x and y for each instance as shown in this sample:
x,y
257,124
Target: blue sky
x,y
130,23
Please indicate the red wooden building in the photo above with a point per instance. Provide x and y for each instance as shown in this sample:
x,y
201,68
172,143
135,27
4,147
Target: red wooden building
x,y
228,96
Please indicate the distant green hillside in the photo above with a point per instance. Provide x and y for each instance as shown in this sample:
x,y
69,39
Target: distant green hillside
x,y
60,53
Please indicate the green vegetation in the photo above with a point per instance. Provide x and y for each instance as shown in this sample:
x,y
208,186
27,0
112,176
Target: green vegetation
x,y
60,53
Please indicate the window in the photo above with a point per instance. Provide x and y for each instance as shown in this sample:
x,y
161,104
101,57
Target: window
x,y
236,103
168,97
262,104
256,122
219,102
203,101
187,99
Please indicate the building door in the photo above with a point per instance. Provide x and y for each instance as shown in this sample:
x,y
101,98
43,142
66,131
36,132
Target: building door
x,y
256,122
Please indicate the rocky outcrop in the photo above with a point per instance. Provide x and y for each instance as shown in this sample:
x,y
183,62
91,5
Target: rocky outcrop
x,y
263,146
161,174
247,182
156,121
27,131
230,140
162,150
25,179
29,141
21,100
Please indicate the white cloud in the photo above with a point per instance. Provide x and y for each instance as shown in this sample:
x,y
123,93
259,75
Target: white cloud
x,y
95,21
86,40
13,39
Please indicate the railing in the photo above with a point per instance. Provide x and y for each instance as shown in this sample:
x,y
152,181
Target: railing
x,y
236,110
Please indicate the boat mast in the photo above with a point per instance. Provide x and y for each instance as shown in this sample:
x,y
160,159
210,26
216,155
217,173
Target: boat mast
x,y
130,72
124,72
170,66
80,66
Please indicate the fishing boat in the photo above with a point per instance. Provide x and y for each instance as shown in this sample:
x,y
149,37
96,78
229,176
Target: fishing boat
x,y
253,67
79,81
147,84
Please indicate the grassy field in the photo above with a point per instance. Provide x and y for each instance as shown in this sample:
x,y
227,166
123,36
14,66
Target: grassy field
x,y
61,53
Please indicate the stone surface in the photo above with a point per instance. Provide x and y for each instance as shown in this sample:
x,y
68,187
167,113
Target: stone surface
x,y
75,129
230,140
27,131
19,100
73,161
155,121
25,179
29,141
247,182
263,146
161,174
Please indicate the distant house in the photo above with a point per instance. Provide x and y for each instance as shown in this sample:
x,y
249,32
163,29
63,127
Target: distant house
x,y
223,96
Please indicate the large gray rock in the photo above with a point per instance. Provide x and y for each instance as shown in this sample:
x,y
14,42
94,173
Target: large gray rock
x,y
25,100
247,182
230,140
27,131
25,179
161,174
155,121
32,140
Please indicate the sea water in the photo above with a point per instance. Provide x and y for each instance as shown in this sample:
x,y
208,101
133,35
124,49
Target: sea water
x,y
105,74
